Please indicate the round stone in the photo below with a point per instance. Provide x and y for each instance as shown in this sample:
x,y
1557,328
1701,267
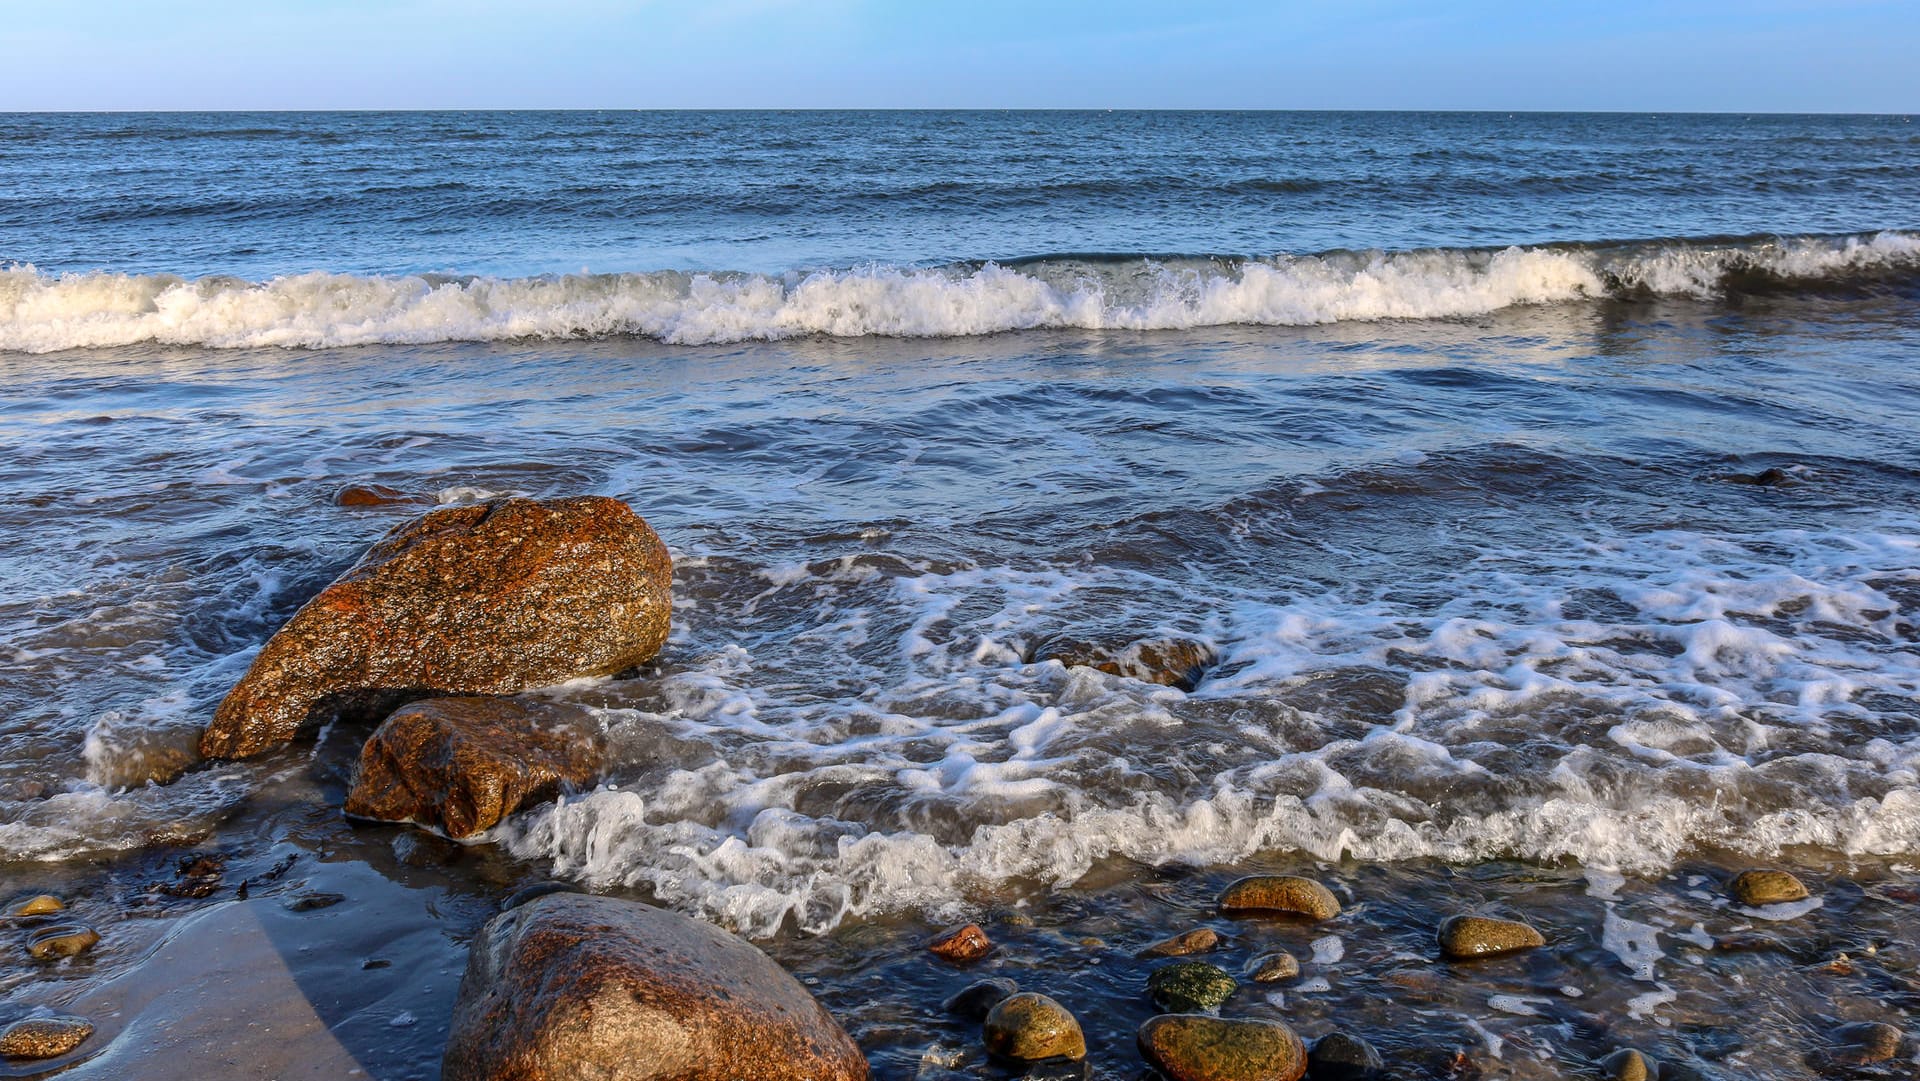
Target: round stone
x,y
1190,987
1198,940
1278,965
1288,894
1342,1056
1466,937
1756,888
1029,1028
1195,1047
43,1037
44,904
57,942
968,943
1628,1064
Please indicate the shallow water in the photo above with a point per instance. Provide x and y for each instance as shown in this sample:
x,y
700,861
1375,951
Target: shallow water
x,y
1499,622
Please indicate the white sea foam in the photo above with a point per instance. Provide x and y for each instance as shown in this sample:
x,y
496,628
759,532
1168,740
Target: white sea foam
x,y
43,313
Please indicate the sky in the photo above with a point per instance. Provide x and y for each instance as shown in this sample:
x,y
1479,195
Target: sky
x,y
1678,55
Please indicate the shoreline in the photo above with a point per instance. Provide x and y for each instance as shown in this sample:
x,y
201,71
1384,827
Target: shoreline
x,y
292,990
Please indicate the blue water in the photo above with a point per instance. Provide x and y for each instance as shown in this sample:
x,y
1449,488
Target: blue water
x,y
513,194
1544,485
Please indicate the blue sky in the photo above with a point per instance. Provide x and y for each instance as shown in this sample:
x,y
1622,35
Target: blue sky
x,y
1756,55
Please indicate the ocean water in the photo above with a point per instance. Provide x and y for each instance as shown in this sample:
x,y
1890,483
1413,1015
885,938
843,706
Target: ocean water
x,y
1439,429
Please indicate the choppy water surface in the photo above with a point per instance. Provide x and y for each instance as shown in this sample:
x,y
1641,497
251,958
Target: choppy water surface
x,y
1499,622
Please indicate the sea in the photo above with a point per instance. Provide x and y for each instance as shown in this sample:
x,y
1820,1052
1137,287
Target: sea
x,y
1545,486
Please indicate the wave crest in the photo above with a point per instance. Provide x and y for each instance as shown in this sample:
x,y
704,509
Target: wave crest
x,y
44,313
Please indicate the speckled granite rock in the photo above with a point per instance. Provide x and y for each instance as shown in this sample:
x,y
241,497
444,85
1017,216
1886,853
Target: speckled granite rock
x,y
572,986
488,599
463,764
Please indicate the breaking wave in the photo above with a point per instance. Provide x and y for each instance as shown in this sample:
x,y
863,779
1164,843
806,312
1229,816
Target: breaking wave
x,y
44,313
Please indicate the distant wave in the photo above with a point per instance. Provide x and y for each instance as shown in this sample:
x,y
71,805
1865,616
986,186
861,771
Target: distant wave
x,y
43,313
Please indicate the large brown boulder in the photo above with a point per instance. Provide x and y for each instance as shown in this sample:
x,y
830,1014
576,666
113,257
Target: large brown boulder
x,y
574,986
463,764
488,599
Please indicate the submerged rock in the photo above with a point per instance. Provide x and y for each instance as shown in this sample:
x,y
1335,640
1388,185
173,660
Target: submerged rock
x,y
976,1000
1031,1028
1628,1064
57,942
967,943
1288,894
1342,1056
1864,1043
1194,1047
1268,967
1190,987
1756,888
44,904
1198,940
488,599
1170,662
1467,937
43,1037
1771,477
375,495
574,986
463,764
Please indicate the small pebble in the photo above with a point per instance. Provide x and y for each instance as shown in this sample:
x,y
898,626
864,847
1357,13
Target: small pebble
x,y
1190,987
976,1000
43,1037
1198,940
1288,894
40,905
57,942
1628,1064
1756,888
309,902
1268,967
961,944
1030,1028
1466,937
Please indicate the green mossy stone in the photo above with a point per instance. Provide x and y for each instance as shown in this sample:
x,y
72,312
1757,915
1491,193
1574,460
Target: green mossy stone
x,y
1190,987
1756,888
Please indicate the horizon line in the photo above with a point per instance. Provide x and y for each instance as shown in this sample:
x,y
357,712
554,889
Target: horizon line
x,y
123,110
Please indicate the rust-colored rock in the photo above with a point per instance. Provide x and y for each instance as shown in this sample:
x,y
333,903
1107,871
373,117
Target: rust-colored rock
x,y
375,495
1198,940
968,943
463,764
1280,894
1170,662
573,986
494,598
